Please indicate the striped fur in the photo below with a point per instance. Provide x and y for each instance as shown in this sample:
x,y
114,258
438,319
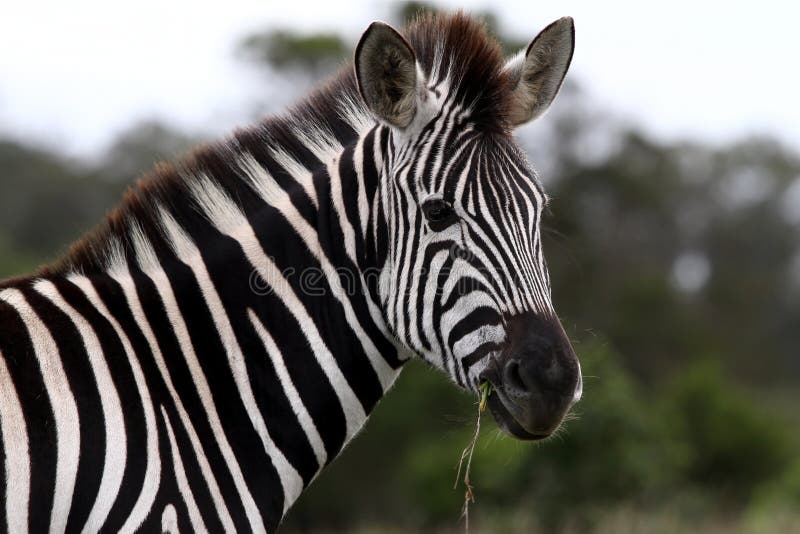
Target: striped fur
x,y
195,362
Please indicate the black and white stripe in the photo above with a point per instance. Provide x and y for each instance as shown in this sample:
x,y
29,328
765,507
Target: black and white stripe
x,y
196,362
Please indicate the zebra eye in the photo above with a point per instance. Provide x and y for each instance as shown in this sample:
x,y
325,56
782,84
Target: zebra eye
x,y
439,214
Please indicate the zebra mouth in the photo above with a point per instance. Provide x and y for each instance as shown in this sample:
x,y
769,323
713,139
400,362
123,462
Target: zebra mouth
x,y
506,421
535,378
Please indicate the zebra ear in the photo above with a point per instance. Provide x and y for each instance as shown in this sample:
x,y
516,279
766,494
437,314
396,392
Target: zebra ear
x,y
539,71
386,71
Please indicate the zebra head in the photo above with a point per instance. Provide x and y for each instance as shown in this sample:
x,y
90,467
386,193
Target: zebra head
x,y
463,282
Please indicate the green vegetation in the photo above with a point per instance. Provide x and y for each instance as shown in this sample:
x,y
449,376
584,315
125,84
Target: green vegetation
x,y
286,50
676,270
696,450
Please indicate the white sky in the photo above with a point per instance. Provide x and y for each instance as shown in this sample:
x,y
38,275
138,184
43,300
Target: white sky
x,y
75,73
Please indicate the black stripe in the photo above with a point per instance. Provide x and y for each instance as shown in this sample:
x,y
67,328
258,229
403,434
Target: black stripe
x,y
168,492
430,252
233,276
231,279
476,318
17,349
261,153
326,311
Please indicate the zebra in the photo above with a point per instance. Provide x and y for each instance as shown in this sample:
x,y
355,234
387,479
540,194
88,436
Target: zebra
x,y
196,361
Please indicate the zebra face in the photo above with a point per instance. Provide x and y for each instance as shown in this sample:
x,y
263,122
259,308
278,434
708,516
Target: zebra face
x,y
463,282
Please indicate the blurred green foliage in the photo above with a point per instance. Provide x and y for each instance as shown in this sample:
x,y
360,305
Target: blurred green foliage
x,y
723,432
690,418
47,200
693,448
286,50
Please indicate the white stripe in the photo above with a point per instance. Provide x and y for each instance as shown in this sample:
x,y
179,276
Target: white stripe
x,y
115,438
363,203
462,308
318,139
188,253
195,518
418,272
228,219
297,171
429,298
436,142
65,411
169,520
484,334
15,446
464,178
465,270
152,473
353,111
401,265
298,407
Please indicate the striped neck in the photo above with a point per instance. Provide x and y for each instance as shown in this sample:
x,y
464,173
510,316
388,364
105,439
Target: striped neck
x,y
239,287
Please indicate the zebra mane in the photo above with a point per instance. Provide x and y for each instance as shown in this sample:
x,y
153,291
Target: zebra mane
x,y
455,53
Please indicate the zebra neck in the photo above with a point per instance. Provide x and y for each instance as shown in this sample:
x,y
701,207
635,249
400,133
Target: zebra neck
x,y
230,305
277,291
248,339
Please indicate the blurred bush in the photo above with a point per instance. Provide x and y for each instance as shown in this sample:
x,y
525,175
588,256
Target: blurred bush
x,y
732,443
285,50
699,444
776,505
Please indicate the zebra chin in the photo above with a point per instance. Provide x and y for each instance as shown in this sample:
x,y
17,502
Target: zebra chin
x,y
535,378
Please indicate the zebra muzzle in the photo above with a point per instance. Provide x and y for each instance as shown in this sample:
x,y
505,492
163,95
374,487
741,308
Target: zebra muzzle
x,y
536,378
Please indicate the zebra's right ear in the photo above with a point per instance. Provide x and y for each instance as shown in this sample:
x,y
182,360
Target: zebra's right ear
x,y
539,71
386,71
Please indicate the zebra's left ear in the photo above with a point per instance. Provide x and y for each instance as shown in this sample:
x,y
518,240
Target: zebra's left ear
x,y
539,71
386,71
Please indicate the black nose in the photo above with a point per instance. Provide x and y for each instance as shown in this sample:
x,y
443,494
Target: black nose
x,y
539,377
544,370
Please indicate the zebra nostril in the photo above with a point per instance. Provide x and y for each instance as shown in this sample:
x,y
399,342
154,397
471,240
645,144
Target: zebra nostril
x,y
512,378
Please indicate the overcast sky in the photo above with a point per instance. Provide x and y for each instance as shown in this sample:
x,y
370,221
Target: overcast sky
x,y
76,73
